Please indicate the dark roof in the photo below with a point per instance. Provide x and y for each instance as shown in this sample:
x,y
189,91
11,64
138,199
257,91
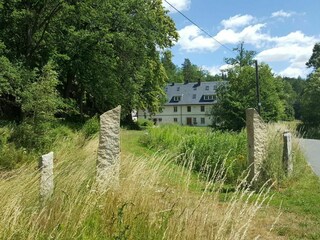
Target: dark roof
x,y
191,93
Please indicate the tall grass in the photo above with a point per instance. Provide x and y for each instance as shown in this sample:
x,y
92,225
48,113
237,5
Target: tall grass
x,y
145,206
208,148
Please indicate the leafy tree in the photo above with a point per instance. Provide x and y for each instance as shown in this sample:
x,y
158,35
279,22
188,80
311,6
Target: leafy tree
x,y
191,72
314,60
107,52
239,93
170,67
243,58
297,86
310,100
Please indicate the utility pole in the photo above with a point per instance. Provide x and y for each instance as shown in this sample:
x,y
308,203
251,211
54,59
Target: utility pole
x,y
258,86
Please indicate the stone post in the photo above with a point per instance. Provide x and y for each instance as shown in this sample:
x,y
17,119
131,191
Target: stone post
x,y
109,150
287,153
46,176
257,141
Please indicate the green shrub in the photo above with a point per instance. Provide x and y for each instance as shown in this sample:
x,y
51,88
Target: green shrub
x,y
144,124
91,127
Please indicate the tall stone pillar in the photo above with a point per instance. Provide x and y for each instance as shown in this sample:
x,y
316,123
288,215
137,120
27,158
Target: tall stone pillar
x,y
108,161
257,141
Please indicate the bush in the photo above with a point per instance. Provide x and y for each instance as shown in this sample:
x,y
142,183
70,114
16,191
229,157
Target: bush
x,y
91,127
144,124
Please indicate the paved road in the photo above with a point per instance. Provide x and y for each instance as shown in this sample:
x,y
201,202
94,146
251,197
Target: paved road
x,y
312,151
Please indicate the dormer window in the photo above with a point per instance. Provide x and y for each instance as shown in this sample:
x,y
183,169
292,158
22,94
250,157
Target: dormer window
x,y
207,87
178,89
176,98
194,96
209,97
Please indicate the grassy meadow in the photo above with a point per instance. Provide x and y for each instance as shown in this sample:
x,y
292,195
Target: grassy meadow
x,y
169,189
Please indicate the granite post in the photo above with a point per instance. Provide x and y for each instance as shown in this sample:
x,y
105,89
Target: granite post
x,y
108,161
287,153
257,142
46,176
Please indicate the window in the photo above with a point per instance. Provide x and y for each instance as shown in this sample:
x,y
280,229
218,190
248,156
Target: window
x,y
176,98
160,119
207,87
178,88
175,109
202,108
203,120
175,119
194,121
209,97
188,108
215,87
194,96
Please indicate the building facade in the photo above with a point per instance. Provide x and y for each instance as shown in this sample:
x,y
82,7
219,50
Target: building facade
x,y
186,104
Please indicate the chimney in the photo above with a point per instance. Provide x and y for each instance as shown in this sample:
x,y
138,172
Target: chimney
x,y
199,81
186,81
172,84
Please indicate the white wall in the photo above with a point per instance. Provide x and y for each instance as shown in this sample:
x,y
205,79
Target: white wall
x,y
167,115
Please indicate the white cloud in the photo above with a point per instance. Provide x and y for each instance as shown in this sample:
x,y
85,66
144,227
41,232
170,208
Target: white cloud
x,y
237,21
293,49
181,5
293,72
213,70
282,14
192,39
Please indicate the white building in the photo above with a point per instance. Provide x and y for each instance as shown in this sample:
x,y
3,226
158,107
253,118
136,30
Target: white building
x,y
186,104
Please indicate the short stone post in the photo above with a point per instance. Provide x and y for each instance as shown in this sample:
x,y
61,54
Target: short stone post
x,y
108,161
287,153
257,140
46,176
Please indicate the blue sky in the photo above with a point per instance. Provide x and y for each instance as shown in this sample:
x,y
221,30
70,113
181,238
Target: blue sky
x,y
283,32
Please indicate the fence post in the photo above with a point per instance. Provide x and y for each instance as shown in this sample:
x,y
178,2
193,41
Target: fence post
x,y
287,153
46,176
256,137
109,150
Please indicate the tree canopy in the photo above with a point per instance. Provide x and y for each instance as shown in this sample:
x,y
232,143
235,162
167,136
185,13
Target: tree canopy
x,y
105,52
239,93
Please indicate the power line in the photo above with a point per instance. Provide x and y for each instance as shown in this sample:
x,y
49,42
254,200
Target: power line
x,y
204,31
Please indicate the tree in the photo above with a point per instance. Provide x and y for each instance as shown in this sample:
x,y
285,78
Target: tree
x,y
106,52
239,93
310,100
243,58
297,86
191,72
314,60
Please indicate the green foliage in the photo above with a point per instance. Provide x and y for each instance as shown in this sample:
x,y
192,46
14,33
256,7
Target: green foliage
x,y
295,94
144,123
239,93
243,58
91,127
10,155
106,52
314,60
40,99
310,100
